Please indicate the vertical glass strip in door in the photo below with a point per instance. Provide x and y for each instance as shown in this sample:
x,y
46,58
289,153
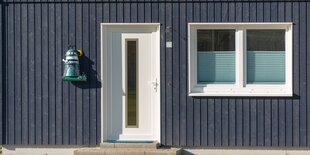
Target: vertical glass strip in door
x,y
132,83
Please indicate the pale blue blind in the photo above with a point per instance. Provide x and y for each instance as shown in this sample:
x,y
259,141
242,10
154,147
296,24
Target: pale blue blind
x,y
266,67
216,67
265,56
215,56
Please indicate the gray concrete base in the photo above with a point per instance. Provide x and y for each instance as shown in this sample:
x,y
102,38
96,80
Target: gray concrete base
x,y
39,149
128,149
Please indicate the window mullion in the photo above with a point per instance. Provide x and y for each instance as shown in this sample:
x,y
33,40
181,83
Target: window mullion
x,y
240,57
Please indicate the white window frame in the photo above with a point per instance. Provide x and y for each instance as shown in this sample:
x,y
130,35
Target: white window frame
x,y
240,87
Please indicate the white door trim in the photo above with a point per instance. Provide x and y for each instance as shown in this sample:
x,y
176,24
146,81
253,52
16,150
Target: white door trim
x,y
105,27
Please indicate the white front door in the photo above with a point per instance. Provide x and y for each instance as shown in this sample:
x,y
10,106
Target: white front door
x,y
131,82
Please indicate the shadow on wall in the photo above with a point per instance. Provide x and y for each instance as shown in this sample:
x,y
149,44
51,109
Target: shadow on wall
x,y
93,79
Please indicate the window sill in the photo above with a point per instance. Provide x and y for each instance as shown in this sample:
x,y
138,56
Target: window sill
x,y
251,90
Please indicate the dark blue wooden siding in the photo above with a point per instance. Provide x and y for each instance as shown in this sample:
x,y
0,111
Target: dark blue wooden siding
x,y
39,108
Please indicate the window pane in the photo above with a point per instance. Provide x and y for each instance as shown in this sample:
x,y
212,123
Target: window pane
x,y
216,40
266,40
215,56
266,56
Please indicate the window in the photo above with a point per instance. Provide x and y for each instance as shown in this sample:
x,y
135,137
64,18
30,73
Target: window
x,y
240,59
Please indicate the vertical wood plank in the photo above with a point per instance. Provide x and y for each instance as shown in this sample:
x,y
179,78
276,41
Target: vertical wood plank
x,y
17,73
127,11
197,12
72,88
267,122
86,51
232,12
211,12
31,73
211,127
148,11
59,53
79,91
204,122
52,74
303,76
296,75
218,121
92,76
38,72
274,102
140,11
282,129
253,124
169,75
45,74
162,20
24,74
246,122
246,12
289,106
274,122
259,14
183,74
176,73
197,124
225,122
239,12
260,122
232,121
190,101
239,122
120,11
155,12
203,12
10,85
99,20
254,7
106,12
308,75
66,91
133,12
225,12
112,11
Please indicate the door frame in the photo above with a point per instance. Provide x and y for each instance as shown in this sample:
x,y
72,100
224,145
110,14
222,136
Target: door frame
x,y
104,28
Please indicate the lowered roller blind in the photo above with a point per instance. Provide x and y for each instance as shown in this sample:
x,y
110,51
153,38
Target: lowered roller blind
x,y
266,67
216,67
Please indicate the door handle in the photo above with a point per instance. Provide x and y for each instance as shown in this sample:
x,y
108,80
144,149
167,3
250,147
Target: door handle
x,y
155,84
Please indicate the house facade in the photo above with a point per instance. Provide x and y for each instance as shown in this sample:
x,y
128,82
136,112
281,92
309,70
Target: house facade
x,y
195,73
